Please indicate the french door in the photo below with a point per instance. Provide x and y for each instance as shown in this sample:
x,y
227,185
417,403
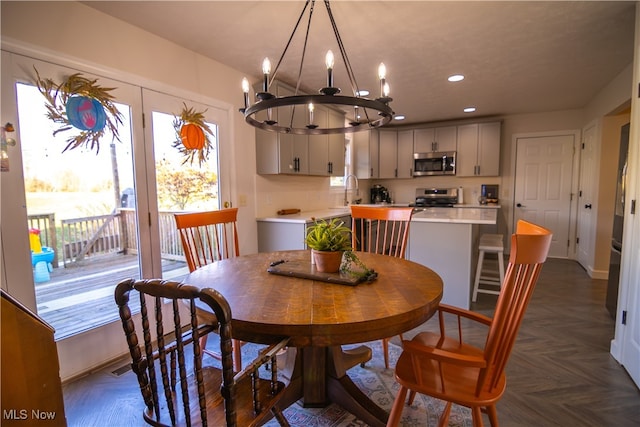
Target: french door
x,y
119,190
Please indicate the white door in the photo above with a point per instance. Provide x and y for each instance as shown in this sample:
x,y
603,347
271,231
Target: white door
x,y
544,170
585,237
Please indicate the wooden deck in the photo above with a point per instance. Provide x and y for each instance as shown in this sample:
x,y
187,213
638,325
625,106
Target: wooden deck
x,y
80,297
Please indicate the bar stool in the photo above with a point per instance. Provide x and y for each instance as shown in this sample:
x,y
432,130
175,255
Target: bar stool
x,y
492,244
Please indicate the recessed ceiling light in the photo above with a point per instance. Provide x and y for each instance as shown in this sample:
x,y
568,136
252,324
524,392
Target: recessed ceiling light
x,y
363,92
398,117
469,109
456,78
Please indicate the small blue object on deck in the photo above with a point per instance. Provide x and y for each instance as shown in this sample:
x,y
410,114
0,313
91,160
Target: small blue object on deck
x,y
41,262
41,272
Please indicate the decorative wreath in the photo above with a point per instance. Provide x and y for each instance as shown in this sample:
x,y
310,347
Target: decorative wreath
x,y
192,135
79,102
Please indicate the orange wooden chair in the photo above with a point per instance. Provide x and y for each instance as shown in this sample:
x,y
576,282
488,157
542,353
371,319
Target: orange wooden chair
x,y
208,237
176,388
381,230
447,368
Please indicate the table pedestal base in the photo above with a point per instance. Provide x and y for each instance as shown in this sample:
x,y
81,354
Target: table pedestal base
x,y
318,376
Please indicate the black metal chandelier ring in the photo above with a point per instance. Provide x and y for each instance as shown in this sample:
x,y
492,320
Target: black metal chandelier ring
x,y
378,105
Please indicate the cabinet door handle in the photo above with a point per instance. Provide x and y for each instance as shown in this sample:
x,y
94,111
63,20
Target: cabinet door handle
x,y
587,206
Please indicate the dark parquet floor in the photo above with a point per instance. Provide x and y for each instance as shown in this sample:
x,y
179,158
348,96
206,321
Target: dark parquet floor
x,y
560,372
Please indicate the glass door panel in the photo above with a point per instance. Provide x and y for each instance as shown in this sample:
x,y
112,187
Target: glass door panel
x,y
181,185
83,238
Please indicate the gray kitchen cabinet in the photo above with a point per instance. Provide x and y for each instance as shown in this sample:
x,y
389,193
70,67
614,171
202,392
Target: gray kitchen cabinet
x,y
405,154
388,154
478,149
326,152
365,144
435,139
286,235
395,153
281,236
336,145
279,153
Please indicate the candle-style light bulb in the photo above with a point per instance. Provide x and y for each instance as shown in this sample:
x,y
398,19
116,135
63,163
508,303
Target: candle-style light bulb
x,y
311,108
266,70
245,89
329,62
382,73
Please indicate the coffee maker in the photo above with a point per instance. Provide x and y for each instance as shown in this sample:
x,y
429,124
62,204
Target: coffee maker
x,y
488,194
379,194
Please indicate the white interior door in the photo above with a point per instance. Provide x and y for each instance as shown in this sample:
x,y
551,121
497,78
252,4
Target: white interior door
x,y
585,236
544,170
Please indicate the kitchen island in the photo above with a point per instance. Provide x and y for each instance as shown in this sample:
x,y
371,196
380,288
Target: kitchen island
x,y
443,239
446,241
287,232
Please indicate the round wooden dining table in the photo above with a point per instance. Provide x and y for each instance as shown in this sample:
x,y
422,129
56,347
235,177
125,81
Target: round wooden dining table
x,y
319,317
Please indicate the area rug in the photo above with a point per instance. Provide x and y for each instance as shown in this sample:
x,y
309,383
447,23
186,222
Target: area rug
x,y
379,384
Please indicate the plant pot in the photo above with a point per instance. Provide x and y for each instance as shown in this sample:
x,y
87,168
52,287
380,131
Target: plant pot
x,y
326,261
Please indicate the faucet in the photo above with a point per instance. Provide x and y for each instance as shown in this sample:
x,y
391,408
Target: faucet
x,y
346,187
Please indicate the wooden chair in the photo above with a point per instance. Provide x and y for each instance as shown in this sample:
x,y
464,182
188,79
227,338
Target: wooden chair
x,y
447,368
381,230
208,237
206,395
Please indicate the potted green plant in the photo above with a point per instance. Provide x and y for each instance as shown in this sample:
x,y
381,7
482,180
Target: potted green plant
x,y
328,240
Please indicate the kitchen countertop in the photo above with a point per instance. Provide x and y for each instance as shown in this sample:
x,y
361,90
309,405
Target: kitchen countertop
x,y
470,214
457,215
308,216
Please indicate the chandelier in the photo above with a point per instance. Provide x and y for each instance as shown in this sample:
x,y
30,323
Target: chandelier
x,y
362,113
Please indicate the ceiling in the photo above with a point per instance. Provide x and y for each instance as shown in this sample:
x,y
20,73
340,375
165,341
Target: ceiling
x,y
517,57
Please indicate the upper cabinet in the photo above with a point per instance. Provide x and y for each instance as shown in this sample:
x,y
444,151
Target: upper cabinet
x,y
280,153
366,145
388,157
405,153
396,153
478,149
326,152
435,139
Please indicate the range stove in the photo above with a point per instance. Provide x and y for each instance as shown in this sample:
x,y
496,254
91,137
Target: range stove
x,y
435,197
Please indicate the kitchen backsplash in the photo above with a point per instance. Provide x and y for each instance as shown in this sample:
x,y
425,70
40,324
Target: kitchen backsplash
x,y
276,192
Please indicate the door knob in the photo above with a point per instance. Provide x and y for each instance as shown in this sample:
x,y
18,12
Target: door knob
x,y
587,206
520,205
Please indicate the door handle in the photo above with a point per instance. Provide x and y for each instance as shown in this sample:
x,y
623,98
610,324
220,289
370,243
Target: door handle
x,y
587,206
520,205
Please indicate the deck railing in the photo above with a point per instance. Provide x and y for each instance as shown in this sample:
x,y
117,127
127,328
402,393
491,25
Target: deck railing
x,y
88,237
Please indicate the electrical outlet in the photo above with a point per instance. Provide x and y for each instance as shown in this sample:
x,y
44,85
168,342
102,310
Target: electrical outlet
x,y
242,200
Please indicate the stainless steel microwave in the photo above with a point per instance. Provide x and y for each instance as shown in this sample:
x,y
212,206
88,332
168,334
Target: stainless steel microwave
x,y
434,163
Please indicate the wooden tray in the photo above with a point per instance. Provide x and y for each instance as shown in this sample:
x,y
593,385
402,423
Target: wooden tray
x,y
306,270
